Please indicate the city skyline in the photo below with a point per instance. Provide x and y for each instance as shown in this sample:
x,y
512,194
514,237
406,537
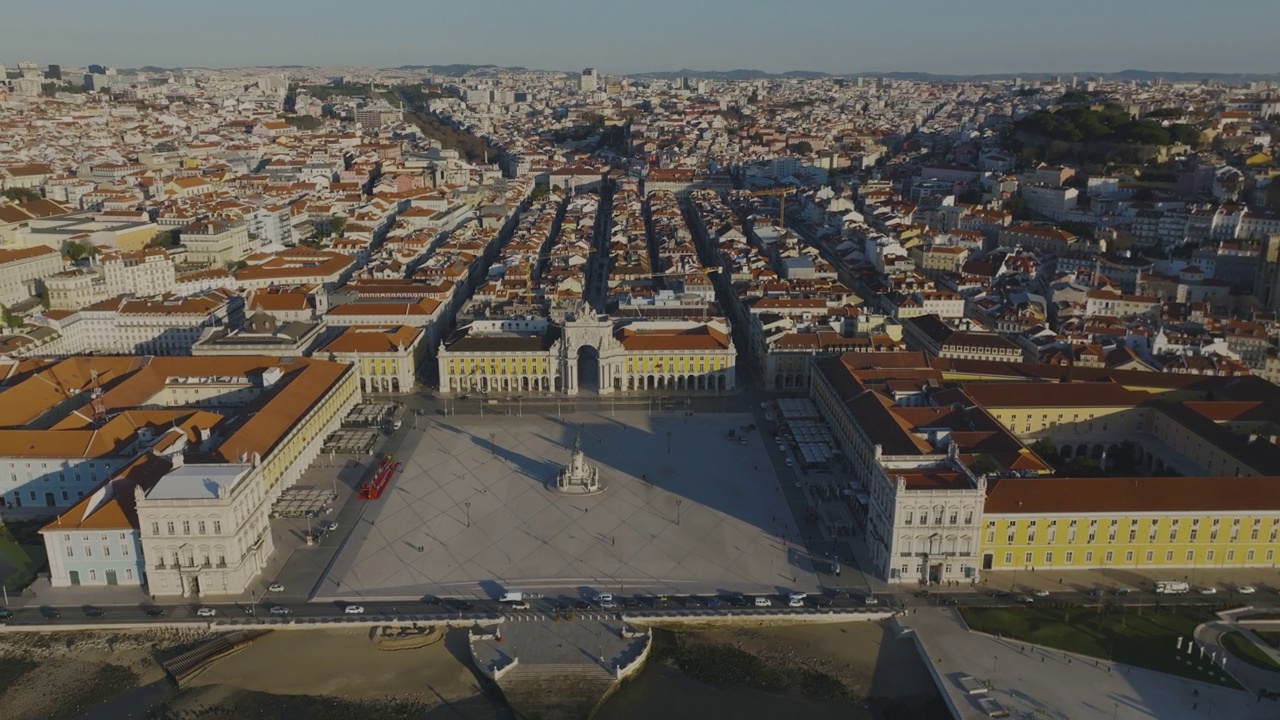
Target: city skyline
x,y
566,35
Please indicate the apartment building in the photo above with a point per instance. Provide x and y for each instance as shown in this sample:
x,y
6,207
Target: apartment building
x,y
145,273
21,270
162,326
216,242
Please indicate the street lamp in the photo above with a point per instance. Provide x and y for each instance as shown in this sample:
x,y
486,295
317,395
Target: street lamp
x,y
678,503
468,506
668,442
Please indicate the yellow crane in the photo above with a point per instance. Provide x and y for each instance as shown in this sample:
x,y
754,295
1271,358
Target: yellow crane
x,y
780,193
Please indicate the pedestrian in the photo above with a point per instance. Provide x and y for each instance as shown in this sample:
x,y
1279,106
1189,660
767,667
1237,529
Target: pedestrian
x,y
1068,661
1041,658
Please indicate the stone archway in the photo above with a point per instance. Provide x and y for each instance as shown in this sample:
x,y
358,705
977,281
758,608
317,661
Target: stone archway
x,y
588,367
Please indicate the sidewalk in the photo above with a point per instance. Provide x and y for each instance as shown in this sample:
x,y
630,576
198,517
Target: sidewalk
x,y
1032,681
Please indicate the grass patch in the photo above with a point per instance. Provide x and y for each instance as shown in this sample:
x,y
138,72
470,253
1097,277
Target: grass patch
x,y
22,547
1270,637
1146,640
1244,649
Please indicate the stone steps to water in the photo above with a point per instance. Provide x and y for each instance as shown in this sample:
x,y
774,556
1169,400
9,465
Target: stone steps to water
x,y
555,691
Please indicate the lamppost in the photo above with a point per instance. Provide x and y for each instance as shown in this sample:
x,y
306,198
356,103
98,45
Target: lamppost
x,y
678,503
668,442
467,505
492,451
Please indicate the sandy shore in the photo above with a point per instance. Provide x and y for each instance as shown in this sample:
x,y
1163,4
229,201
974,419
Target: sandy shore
x,y
316,674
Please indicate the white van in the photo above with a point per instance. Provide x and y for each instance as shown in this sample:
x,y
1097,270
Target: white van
x,y
512,596
762,601
603,598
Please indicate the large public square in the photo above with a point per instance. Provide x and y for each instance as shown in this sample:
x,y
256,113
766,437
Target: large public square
x,y
685,509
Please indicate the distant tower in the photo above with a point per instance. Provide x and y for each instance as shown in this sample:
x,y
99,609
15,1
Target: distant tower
x,y
589,81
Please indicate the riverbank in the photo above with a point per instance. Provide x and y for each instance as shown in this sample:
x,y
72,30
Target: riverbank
x,y
853,671
321,674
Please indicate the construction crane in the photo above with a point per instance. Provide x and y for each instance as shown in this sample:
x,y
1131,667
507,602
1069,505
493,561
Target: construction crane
x,y
781,194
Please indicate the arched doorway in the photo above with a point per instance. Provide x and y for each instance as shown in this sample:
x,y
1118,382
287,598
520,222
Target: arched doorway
x,y
588,369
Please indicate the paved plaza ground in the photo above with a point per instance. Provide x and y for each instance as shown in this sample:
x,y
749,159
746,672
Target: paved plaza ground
x,y
473,514
1031,681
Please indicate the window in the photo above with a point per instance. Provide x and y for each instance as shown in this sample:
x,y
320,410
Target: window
x,y
1191,555
1150,555
953,518
88,551
1133,535
1128,556
1194,532
93,574
1048,558
968,517
106,551
217,527
1231,555
128,573
1008,558
1208,556
170,527
200,527
1248,556
906,520
71,551
1069,556
1088,556
991,536
186,527
1107,558
1026,559
1168,557
1270,554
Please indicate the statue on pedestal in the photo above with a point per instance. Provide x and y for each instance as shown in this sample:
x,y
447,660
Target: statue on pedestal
x,y
578,476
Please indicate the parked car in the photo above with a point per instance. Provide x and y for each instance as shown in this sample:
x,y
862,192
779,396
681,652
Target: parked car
x,y
870,600
206,612
949,600
95,612
1024,599
1208,591
630,602
518,605
1041,593
280,610
330,526
275,587
713,603
51,613
603,597
819,601
353,609
5,614
1096,592
154,612
582,605
608,605
790,462
462,606
1246,590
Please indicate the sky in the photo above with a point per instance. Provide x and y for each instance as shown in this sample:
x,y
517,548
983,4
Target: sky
x,y
616,36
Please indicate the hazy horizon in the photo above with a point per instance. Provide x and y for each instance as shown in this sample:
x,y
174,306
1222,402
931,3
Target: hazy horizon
x,y
934,36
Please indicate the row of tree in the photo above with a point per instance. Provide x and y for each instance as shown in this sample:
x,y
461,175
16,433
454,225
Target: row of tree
x,y
1110,124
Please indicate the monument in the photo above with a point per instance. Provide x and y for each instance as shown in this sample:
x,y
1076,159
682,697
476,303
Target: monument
x,y
578,477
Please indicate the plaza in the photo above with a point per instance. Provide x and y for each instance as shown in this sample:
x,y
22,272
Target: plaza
x,y
474,512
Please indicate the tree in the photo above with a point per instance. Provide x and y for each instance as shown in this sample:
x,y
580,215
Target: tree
x,y
804,147
337,225
74,250
10,320
18,194
165,239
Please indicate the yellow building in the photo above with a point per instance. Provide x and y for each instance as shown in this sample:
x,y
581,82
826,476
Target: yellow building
x,y
386,356
1174,522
